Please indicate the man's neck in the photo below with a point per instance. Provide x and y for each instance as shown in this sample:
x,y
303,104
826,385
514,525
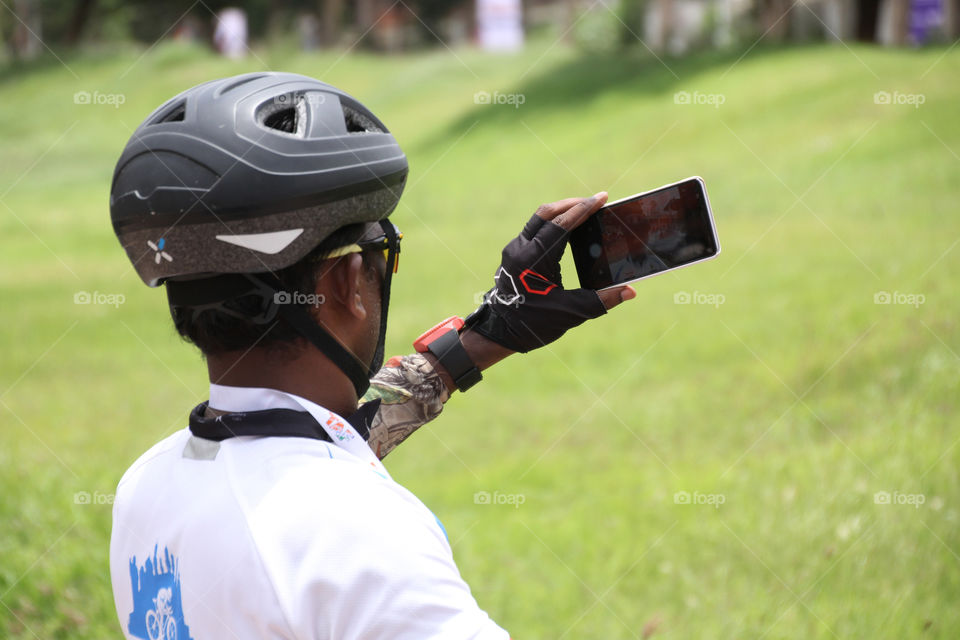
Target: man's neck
x,y
303,372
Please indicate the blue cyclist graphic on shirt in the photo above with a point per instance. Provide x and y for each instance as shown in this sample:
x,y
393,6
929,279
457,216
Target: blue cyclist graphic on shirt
x,y
157,608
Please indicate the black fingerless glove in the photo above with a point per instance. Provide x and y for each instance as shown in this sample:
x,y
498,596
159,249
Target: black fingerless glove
x,y
528,307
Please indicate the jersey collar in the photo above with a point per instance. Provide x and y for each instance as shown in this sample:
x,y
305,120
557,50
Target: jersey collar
x,y
348,434
243,399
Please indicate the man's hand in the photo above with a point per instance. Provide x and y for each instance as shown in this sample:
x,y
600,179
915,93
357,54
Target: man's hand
x,y
570,214
529,308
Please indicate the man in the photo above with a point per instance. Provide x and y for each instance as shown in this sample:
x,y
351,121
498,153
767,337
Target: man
x,y
261,203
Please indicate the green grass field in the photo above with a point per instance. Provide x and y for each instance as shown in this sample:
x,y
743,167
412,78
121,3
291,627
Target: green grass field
x,y
794,402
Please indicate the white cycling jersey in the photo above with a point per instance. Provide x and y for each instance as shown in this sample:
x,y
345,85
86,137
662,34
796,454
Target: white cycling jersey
x,y
280,537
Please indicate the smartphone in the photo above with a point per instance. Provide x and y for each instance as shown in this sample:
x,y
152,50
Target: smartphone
x,y
644,235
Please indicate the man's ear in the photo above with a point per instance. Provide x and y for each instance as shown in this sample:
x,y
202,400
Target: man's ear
x,y
342,282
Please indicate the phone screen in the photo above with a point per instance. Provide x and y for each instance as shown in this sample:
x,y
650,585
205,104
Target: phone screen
x,y
644,235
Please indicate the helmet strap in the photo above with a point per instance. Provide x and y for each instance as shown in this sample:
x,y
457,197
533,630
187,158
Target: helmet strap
x,y
378,354
304,324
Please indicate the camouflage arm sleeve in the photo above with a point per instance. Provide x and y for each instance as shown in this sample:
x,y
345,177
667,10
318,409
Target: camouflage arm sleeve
x,y
411,394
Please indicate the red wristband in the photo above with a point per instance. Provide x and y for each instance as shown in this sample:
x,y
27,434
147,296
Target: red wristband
x,y
428,336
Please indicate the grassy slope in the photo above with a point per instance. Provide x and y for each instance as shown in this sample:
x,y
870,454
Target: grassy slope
x,y
600,430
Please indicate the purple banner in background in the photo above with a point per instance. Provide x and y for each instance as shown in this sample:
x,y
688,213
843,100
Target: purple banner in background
x,y
925,15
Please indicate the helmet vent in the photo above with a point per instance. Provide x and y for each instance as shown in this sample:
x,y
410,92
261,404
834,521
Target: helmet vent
x,y
358,123
284,120
174,114
287,115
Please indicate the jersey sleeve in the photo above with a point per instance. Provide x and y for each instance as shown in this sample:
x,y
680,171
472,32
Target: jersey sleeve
x,y
368,560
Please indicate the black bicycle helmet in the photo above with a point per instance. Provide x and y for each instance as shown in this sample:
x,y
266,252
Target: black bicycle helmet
x,y
240,177
249,174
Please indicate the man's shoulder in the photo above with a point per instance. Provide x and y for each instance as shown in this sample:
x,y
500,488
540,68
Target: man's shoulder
x,y
334,486
281,486
172,442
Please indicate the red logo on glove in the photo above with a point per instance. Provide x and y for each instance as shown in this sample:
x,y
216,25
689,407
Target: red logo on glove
x,y
537,283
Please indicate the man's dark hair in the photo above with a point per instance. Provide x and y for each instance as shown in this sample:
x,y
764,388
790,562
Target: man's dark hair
x,y
215,332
